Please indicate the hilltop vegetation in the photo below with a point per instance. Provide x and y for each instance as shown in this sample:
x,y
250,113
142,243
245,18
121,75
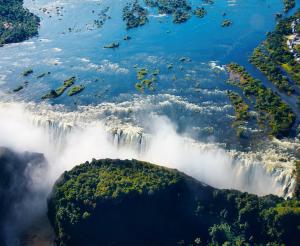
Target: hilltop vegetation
x,y
114,202
16,23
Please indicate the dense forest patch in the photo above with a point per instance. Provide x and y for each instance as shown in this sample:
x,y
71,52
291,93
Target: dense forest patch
x,y
16,23
115,202
276,58
274,115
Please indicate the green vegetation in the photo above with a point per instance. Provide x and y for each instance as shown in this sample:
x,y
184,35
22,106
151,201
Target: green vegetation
x,y
180,9
115,202
146,79
273,112
18,88
288,4
16,23
185,59
102,18
180,17
27,72
271,70
59,91
67,83
42,75
226,23
75,90
51,94
139,87
135,15
142,72
112,45
126,38
241,112
274,59
200,12
170,66
240,107
278,16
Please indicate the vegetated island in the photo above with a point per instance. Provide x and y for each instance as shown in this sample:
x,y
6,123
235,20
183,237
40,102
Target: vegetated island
x,y
76,90
59,91
226,23
146,79
129,202
112,45
273,114
134,15
16,23
27,72
288,5
179,9
278,57
18,88
200,12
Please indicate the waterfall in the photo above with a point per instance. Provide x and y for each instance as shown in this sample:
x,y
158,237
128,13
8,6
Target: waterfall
x,y
269,170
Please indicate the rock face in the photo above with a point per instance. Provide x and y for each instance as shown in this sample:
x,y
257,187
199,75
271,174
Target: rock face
x,y
122,202
14,187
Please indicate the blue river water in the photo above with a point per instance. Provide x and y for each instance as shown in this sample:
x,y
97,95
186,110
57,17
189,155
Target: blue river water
x,y
70,44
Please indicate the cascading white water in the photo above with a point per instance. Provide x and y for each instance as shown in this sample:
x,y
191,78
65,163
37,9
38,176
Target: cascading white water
x,y
68,138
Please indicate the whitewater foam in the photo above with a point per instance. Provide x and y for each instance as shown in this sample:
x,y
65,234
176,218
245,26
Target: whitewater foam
x,y
111,130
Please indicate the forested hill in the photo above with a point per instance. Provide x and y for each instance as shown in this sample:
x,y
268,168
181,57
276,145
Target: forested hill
x,y
16,23
115,202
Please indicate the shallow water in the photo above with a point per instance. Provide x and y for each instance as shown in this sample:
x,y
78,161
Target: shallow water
x,y
109,74
81,53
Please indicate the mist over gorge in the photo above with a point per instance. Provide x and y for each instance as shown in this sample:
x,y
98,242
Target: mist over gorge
x,y
68,143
